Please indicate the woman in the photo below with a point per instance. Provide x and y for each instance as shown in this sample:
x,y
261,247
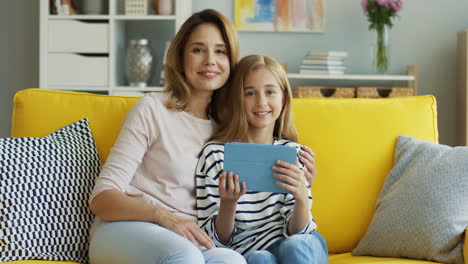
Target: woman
x,y
145,192
144,198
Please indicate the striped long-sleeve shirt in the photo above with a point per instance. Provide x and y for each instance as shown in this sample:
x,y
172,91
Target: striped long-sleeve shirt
x,y
261,217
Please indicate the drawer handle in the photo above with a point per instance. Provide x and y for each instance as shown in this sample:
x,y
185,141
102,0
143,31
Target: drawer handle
x,y
92,54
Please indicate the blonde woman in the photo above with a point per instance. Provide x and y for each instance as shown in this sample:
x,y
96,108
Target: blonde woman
x,y
144,196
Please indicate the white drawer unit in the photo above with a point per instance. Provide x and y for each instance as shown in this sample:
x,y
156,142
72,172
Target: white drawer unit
x,y
86,50
78,36
77,70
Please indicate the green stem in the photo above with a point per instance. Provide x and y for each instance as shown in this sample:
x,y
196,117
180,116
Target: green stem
x,y
382,60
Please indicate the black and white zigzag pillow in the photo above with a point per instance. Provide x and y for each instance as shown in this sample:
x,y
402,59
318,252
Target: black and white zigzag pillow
x,y
45,184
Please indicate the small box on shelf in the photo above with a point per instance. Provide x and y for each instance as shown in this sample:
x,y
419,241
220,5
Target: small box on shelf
x,y
324,92
384,92
136,7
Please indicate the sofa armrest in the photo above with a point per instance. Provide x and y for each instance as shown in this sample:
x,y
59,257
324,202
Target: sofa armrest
x,y
465,246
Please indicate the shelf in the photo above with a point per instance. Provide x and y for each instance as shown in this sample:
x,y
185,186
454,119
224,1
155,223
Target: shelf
x,y
148,17
79,88
352,77
79,17
138,89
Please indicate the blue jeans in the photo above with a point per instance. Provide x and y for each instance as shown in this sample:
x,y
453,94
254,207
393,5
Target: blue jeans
x,y
302,248
128,242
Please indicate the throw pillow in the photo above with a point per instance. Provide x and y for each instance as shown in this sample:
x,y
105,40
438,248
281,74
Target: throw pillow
x,y
422,210
44,188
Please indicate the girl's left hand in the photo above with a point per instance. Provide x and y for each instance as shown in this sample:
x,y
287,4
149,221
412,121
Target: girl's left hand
x,y
294,177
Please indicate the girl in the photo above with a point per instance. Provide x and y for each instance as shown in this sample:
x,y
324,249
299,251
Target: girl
x,y
265,227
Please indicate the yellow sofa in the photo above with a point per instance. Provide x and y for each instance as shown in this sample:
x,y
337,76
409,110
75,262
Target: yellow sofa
x,y
354,140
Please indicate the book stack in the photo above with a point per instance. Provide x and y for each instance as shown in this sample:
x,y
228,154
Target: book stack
x,y
323,62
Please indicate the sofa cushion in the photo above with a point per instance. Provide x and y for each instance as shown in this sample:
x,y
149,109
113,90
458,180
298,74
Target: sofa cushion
x,y
422,211
38,112
354,140
347,258
45,184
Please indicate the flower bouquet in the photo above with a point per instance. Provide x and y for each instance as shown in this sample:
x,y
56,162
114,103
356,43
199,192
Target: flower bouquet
x,y
379,14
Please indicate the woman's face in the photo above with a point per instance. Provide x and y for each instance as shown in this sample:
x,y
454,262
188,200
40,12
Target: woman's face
x,y
206,61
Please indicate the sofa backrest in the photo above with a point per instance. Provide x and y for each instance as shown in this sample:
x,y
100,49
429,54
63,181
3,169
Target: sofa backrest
x,y
353,139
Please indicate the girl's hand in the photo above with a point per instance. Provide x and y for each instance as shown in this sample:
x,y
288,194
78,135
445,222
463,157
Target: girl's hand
x,y
294,177
230,192
307,157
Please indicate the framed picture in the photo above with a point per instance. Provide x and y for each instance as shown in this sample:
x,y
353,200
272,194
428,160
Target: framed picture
x,y
279,15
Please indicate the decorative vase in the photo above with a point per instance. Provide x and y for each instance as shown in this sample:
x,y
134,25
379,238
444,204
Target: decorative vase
x,y
138,62
380,49
162,7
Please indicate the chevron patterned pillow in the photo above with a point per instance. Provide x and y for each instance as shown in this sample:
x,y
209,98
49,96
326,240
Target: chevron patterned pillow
x,y
44,188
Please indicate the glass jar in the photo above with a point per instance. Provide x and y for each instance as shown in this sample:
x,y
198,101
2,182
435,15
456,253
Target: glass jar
x,y
138,63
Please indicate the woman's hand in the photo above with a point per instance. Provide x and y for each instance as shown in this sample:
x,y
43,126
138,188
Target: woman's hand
x,y
294,178
307,157
187,229
229,188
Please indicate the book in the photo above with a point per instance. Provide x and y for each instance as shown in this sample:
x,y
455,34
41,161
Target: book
x,y
323,62
322,67
327,53
253,163
330,72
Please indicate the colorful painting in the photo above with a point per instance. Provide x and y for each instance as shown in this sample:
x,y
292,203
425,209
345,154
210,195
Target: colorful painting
x,y
279,15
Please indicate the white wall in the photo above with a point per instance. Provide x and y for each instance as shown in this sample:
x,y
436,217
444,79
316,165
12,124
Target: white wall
x,y
424,35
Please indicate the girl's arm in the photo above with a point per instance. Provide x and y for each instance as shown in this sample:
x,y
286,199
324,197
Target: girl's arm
x,y
295,179
229,194
215,202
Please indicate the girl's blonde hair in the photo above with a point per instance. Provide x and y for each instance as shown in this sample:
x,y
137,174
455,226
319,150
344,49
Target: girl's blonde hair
x,y
230,106
177,87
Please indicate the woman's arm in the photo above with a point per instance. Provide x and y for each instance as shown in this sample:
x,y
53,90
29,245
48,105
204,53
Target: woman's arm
x,y
112,205
307,157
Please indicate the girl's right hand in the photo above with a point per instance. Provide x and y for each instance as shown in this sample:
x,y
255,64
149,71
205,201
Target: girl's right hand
x,y
230,192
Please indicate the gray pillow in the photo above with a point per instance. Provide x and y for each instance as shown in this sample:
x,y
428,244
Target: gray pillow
x,y
422,210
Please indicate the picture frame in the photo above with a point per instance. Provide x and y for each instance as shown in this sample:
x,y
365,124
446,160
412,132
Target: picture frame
x,y
280,15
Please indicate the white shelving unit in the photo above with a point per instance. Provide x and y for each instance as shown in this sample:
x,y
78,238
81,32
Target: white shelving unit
x,y
410,79
353,77
87,52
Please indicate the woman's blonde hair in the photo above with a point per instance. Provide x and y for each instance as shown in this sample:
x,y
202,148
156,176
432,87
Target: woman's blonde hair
x,y
177,87
230,106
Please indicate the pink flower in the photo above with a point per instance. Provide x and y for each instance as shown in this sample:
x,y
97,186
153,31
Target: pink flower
x,y
364,5
396,5
382,2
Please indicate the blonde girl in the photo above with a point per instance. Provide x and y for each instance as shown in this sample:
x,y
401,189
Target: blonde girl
x,y
264,227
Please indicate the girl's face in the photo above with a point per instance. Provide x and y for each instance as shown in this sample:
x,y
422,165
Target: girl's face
x,y
263,99
206,61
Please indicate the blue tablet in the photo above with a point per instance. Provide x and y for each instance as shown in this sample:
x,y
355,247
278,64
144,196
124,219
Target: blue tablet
x,y
253,163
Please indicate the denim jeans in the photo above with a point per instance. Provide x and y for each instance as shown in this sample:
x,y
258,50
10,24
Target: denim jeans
x,y
296,249
146,243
